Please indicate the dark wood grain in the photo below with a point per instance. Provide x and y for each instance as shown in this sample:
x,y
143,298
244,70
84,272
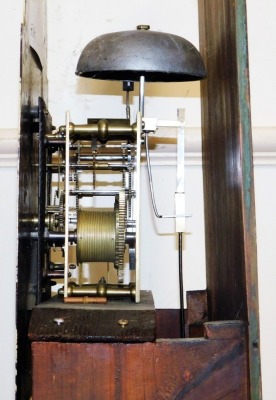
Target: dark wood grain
x,y
94,322
228,172
223,172
196,313
190,369
33,84
168,320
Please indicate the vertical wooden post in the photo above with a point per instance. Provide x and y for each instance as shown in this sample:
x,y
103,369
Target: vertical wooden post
x,y
228,172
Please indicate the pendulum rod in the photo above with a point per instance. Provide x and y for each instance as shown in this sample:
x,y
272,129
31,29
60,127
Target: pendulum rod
x,y
181,290
180,210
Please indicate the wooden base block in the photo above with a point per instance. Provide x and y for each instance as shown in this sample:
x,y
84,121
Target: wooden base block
x,y
56,321
210,368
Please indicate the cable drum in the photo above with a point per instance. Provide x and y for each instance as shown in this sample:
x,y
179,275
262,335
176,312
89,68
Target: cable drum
x,y
96,236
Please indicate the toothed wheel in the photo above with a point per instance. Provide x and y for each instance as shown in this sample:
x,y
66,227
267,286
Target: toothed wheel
x,y
61,221
120,235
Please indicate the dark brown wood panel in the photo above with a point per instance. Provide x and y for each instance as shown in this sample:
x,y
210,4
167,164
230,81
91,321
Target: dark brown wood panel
x,y
168,323
33,85
92,325
168,320
228,172
192,369
54,320
196,313
222,163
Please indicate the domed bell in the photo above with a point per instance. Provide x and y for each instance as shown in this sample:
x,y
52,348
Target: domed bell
x,y
127,55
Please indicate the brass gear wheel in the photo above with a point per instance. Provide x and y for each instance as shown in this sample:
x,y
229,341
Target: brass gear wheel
x,y
61,221
120,207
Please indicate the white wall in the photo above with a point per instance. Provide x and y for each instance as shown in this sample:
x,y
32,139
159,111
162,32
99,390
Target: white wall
x,y
159,246
8,261
10,24
262,67
265,178
262,61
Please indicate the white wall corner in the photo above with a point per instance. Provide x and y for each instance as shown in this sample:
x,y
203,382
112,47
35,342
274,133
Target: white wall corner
x,y
264,148
9,147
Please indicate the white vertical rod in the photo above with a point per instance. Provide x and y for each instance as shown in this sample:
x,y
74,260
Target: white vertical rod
x,y
180,175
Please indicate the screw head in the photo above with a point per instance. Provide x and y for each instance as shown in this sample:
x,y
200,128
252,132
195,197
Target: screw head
x,y
59,321
143,27
123,322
